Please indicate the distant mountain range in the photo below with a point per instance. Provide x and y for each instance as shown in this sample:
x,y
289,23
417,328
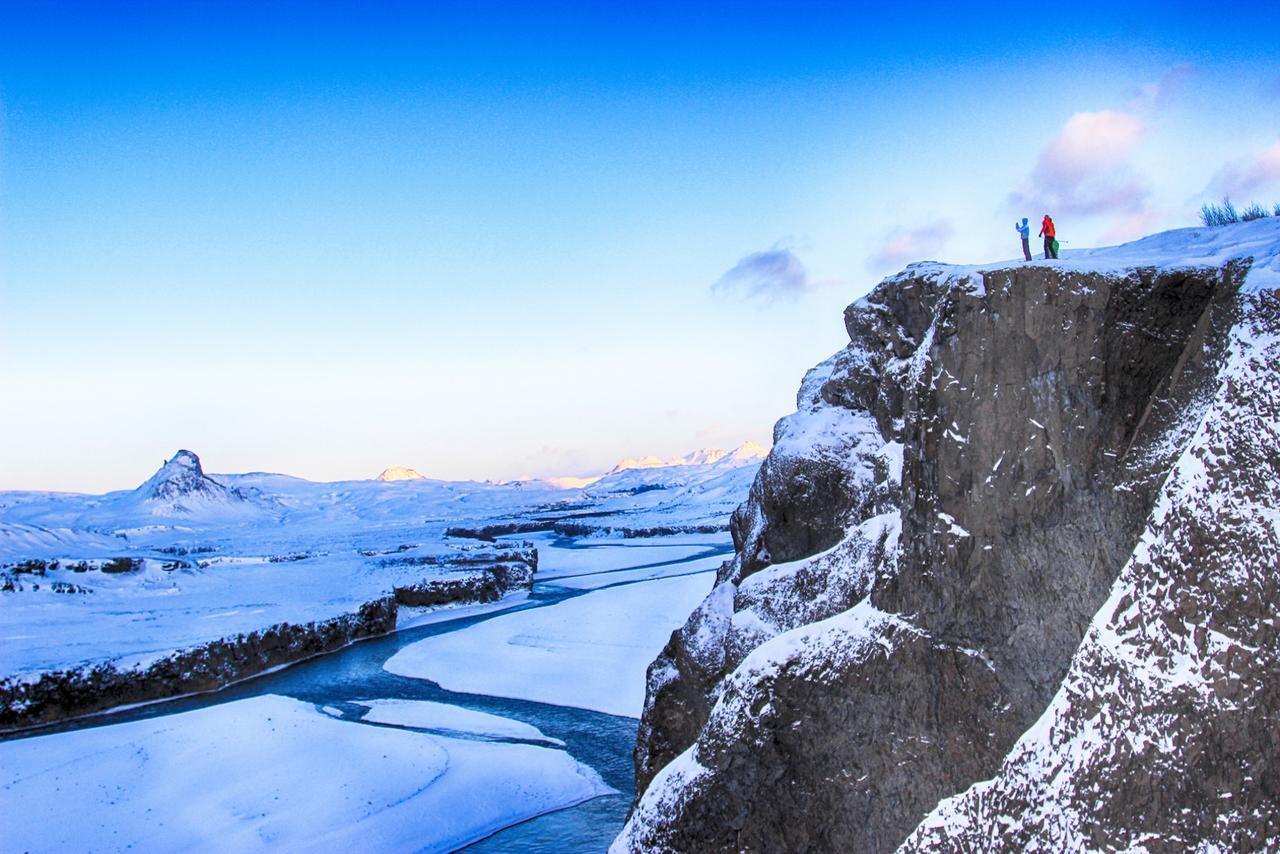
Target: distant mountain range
x,y
747,452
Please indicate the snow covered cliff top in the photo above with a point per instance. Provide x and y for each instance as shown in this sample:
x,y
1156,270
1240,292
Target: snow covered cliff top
x,y
1180,248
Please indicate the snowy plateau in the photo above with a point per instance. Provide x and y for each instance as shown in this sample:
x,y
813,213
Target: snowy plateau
x,y
179,664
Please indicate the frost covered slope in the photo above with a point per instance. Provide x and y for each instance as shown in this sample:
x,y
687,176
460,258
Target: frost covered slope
x,y
1001,459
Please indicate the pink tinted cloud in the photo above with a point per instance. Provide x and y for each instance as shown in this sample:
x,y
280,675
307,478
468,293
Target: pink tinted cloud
x,y
1256,173
1131,226
905,245
1086,168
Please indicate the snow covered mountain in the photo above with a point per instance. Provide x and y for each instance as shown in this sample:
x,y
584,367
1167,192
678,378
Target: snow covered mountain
x,y
697,467
1012,568
394,473
180,487
744,453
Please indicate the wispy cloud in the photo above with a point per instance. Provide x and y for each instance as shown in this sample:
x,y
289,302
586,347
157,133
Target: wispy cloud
x,y
904,245
1155,95
1085,169
1256,173
764,277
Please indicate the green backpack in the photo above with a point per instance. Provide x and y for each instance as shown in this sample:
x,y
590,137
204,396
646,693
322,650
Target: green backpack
x,y
1055,246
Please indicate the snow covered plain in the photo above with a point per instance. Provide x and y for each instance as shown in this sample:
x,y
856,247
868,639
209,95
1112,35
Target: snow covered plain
x,y
273,773
339,764
590,651
222,555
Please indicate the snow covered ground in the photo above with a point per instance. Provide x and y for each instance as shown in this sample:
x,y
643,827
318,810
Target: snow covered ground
x,y
221,555
137,618
1180,248
272,773
590,651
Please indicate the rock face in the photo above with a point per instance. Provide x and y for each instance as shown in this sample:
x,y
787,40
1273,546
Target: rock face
x,y
1164,730
962,489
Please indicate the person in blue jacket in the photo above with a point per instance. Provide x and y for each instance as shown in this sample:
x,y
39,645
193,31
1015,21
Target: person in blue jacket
x,y
1024,231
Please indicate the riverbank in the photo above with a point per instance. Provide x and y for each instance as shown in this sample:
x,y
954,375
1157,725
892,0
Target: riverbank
x,y
337,681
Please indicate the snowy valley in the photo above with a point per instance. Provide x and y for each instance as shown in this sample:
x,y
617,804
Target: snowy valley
x,y
541,602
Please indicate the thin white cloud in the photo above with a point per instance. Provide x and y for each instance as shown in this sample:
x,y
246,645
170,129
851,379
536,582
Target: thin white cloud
x,y
904,245
765,277
1246,176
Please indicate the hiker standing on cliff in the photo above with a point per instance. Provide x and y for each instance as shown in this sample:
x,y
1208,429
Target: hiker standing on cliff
x,y
1049,233
1024,231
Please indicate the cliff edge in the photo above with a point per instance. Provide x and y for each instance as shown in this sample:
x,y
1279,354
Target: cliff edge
x,y
1008,577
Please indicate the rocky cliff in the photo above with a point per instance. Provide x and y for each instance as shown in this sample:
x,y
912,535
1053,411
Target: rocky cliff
x,y
1021,533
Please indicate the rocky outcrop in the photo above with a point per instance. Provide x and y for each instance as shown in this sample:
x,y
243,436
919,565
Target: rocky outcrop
x,y
70,693
925,547
181,480
475,576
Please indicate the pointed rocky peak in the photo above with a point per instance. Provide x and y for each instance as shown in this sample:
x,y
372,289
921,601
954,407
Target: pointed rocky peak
x,y
182,477
394,473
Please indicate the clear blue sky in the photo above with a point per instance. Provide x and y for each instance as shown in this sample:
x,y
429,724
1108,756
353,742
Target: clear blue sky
x,y
482,240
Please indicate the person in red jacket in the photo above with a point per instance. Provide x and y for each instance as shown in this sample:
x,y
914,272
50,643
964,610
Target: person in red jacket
x,y
1048,232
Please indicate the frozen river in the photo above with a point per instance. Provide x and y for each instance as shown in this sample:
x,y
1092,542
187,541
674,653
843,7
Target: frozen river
x,y
564,666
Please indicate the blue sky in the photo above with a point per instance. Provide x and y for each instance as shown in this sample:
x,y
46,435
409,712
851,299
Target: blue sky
x,y
492,240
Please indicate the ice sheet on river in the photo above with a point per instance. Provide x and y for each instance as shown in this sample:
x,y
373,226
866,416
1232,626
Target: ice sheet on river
x,y
591,563
590,651
273,773
425,714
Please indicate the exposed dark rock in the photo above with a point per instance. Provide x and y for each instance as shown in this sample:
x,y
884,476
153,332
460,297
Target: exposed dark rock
x,y
1162,735
933,606
475,586
120,565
